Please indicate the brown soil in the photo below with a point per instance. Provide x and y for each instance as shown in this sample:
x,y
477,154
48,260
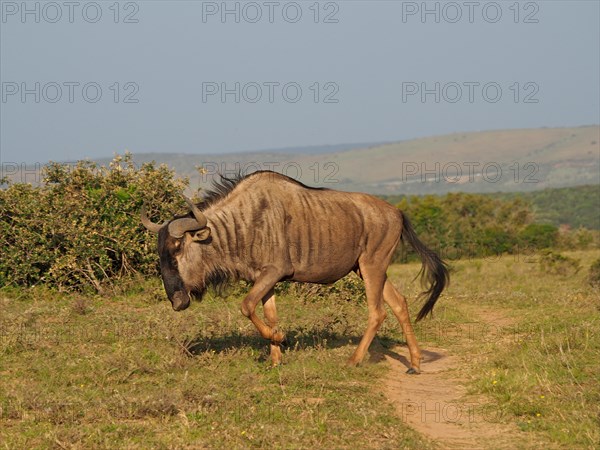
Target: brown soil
x,y
437,405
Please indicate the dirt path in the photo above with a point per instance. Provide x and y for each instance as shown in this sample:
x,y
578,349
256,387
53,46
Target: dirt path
x,y
436,403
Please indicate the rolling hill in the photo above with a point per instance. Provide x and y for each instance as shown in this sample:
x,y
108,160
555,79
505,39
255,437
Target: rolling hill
x,y
520,160
487,161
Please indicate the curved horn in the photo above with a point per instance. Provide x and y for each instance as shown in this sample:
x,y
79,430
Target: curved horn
x,y
150,226
178,227
201,218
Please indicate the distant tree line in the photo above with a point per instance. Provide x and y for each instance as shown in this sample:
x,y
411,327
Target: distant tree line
x,y
463,225
575,207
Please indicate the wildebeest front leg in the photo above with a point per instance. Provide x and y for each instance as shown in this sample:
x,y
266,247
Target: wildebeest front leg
x,y
262,289
270,311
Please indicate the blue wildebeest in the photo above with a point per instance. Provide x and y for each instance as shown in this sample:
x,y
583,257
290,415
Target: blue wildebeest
x,y
266,227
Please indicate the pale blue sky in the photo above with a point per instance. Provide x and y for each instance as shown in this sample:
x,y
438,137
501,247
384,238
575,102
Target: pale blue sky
x,y
365,57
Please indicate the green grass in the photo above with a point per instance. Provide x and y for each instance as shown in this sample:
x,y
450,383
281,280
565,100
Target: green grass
x,y
130,372
531,344
127,371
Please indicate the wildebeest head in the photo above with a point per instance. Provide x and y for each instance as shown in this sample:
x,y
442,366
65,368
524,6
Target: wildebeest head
x,y
174,238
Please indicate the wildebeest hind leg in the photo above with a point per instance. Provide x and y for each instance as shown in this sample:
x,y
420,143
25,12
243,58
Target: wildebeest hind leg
x,y
270,312
374,279
397,303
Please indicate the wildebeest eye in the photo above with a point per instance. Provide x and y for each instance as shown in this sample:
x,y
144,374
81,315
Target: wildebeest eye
x,y
174,248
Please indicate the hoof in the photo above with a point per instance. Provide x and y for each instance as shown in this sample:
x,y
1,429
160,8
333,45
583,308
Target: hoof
x,y
413,371
277,336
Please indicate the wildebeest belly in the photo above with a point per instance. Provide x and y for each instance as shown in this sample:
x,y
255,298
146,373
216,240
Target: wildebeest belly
x,y
324,264
315,276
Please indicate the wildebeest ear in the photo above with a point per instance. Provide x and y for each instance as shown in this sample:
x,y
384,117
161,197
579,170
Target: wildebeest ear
x,y
201,235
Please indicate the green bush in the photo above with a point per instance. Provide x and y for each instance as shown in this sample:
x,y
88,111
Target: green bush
x,y
556,264
539,235
462,225
80,230
594,275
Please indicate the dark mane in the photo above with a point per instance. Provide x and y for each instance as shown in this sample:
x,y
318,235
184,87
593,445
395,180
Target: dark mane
x,y
224,185
220,189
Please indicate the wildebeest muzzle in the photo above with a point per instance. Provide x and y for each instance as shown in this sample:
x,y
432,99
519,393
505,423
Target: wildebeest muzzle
x,y
180,300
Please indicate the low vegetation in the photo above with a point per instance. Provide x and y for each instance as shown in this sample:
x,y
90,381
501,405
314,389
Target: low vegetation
x,y
539,360
594,275
84,371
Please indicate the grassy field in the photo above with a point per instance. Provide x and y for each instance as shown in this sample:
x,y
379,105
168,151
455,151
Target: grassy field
x,y
128,372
